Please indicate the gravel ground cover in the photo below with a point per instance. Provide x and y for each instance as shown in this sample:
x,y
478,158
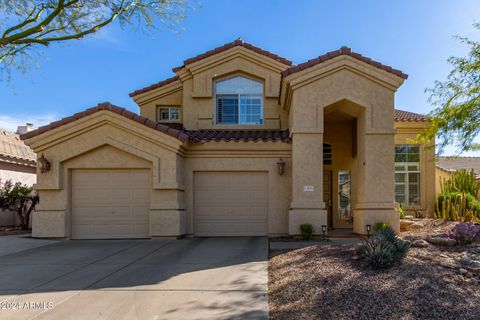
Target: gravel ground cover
x,y
327,282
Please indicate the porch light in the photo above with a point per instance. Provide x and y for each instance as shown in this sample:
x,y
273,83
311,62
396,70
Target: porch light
x,y
43,164
369,228
324,229
281,167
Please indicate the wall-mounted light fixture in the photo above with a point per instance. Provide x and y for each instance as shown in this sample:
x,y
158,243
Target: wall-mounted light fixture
x,y
369,228
324,230
281,167
43,164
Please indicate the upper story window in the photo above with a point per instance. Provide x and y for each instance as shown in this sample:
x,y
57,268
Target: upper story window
x,y
168,114
407,174
239,101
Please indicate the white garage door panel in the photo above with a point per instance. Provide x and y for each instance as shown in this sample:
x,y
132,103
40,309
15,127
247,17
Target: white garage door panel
x,y
110,203
231,203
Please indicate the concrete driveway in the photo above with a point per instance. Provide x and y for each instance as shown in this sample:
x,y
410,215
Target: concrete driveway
x,y
200,278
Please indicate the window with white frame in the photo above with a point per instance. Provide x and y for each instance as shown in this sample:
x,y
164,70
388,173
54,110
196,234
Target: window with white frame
x,y
168,114
407,174
238,100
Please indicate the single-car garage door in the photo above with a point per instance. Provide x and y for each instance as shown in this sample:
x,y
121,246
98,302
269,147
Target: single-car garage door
x,y
110,203
230,203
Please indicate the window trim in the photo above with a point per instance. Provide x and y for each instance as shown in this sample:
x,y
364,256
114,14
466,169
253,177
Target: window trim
x,y
239,95
406,172
170,108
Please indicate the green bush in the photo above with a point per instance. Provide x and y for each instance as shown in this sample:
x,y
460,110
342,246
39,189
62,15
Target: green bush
x,y
401,212
383,250
379,226
307,230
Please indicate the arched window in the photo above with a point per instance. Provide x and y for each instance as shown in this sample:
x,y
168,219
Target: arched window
x,y
239,101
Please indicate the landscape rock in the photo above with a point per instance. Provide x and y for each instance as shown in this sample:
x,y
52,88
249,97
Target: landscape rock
x,y
420,243
462,271
441,241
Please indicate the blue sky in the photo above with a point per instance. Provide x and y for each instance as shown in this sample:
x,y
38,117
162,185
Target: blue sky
x,y
413,36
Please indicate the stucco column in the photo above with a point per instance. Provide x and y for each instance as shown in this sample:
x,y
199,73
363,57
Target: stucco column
x,y
307,182
376,173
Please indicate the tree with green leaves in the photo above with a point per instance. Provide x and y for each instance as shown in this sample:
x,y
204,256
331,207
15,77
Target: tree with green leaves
x,y
28,26
456,119
19,198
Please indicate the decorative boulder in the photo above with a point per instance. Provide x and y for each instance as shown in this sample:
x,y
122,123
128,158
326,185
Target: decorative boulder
x,y
441,241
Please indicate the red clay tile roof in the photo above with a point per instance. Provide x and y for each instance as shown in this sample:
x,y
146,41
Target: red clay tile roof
x,y
342,51
153,86
230,45
239,135
401,115
179,134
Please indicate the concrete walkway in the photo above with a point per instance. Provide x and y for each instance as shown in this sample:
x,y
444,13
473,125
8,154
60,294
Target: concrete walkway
x,y
21,242
201,278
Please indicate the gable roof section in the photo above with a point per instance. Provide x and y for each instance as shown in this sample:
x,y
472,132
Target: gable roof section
x,y
343,51
13,150
154,86
231,45
451,164
106,106
401,115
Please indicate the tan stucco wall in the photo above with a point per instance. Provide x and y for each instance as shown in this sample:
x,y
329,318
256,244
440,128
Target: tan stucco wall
x,y
107,140
406,132
17,173
195,92
370,97
244,157
303,105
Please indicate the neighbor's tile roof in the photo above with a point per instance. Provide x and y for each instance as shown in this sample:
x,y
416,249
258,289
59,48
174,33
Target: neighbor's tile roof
x,y
179,134
236,43
342,51
239,135
401,115
455,163
13,150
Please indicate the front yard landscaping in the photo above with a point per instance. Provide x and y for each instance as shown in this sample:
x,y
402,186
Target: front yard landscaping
x,y
328,281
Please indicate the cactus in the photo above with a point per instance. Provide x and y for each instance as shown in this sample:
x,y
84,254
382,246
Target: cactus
x,y
461,181
455,207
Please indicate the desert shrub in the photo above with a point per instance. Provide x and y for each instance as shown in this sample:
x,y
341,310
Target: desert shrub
x,y
383,250
379,226
19,198
307,230
464,232
462,181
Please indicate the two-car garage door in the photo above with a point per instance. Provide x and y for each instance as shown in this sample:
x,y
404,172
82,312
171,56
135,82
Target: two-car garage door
x,y
115,203
230,203
110,203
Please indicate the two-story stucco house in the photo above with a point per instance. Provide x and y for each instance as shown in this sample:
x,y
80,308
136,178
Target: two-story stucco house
x,y
240,142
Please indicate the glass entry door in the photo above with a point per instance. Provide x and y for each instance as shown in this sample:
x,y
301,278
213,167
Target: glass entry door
x,y
344,197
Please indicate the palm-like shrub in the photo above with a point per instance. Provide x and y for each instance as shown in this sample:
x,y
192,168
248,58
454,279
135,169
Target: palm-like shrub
x,y
383,250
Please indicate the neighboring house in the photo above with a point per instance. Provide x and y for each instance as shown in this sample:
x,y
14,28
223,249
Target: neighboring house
x,y
445,166
17,163
239,142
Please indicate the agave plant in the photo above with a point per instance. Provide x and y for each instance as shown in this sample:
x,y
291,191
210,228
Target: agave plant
x,y
383,250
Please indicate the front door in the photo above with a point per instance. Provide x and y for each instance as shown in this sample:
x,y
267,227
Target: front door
x,y
327,195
